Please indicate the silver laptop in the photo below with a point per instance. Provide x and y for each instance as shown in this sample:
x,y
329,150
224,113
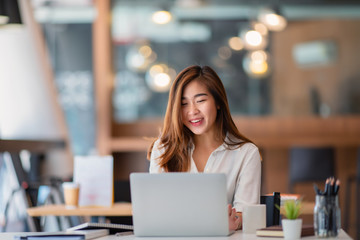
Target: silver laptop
x,y
179,204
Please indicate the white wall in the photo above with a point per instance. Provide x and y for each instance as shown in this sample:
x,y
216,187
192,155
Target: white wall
x,y
29,108
26,108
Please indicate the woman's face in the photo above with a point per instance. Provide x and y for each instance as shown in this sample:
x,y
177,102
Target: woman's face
x,y
198,109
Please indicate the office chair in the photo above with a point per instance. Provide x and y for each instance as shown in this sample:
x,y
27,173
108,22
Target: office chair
x,y
122,191
121,194
349,182
272,212
309,164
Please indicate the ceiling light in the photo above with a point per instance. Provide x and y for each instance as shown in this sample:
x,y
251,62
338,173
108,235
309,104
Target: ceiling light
x,y
159,77
139,57
259,55
162,80
236,43
272,19
146,51
161,17
224,52
260,27
258,68
256,64
253,40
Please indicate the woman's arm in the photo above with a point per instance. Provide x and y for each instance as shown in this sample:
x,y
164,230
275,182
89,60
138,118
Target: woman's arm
x,y
247,189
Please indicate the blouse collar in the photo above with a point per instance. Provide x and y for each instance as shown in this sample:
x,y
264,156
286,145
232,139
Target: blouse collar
x,y
222,147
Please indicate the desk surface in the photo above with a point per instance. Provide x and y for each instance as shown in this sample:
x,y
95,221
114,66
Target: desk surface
x,y
118,209
236,236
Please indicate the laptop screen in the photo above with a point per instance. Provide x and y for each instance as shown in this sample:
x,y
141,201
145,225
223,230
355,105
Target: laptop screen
x,y
179,204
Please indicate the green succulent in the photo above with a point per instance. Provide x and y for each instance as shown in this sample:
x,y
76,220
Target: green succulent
x,y
292,209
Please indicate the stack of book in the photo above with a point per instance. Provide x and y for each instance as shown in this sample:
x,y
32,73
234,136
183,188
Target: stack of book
x,y
72,235
83,231
112,227
276,231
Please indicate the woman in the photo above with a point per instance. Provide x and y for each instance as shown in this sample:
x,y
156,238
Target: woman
x,y
199,135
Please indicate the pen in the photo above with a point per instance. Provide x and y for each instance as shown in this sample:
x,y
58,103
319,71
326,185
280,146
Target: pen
x,y
326,191
337,186
317,190
332,186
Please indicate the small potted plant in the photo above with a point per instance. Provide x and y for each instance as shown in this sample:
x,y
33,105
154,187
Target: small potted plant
x,y
292,224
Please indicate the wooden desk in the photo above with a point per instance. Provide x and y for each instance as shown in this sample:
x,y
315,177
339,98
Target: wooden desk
x,y
118,209
236,236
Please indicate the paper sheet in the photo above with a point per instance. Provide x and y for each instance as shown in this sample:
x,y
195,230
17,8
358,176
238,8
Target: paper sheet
x,y
95,176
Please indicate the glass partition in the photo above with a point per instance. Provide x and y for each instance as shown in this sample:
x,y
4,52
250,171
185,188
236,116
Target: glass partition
x,y
275,58
307,66
153,41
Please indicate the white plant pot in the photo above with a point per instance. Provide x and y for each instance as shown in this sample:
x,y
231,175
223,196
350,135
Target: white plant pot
x,y
292,228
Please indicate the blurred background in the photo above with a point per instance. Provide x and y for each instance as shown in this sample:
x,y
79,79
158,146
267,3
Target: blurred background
x,y
85,77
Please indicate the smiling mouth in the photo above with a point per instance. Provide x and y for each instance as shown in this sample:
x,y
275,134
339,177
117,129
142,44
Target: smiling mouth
x,y
196,122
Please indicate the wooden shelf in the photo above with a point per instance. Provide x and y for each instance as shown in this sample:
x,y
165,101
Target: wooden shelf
x,y
129,144
118,209
31,145
266,132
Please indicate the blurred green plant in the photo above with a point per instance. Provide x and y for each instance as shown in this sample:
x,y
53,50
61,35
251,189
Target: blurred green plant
x,y
292,209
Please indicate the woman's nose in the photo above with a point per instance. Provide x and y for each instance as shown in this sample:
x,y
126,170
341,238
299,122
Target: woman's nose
x,y
193,108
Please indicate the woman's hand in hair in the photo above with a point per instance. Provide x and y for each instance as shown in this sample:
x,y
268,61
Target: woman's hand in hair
x,y
235,219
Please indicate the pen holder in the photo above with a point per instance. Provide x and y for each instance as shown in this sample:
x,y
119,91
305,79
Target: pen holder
x,y
327,216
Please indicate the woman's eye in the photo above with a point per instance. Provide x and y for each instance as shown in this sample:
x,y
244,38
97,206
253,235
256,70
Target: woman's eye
x,y
183,104
201,100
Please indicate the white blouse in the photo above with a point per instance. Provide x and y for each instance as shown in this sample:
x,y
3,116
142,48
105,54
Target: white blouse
x,y
242,167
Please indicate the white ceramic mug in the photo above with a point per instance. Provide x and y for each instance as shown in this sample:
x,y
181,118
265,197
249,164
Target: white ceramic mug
x,y
254,217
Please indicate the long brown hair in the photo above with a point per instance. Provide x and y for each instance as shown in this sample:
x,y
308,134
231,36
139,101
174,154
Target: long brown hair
x,y
175,138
